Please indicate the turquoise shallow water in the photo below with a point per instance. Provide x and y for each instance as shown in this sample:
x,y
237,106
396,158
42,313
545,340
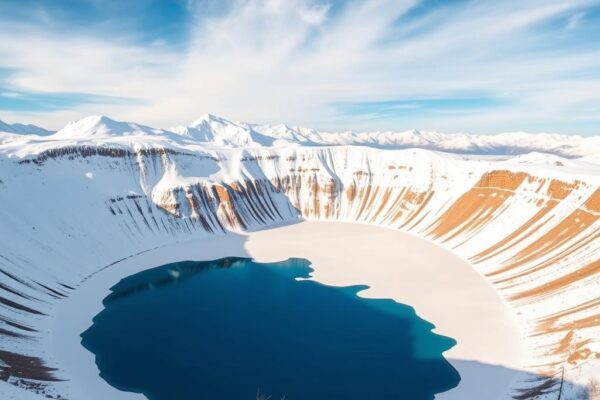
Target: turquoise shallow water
x,y
229,328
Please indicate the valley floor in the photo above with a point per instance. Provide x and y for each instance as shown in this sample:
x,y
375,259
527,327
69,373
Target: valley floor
x,y
444,290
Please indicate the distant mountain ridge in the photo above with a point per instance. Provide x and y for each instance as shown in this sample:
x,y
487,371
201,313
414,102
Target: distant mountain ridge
x,y
22,129
215,131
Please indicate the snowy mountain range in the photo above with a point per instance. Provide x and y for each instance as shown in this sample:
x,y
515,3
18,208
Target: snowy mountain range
x,y
211,130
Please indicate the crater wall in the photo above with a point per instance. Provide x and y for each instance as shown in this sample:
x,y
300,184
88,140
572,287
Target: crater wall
x,y
531,228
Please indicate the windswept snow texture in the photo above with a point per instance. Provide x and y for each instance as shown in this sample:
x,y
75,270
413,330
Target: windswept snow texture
x,y
100,190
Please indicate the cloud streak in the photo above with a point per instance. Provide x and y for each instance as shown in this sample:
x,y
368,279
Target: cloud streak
x,y
533,65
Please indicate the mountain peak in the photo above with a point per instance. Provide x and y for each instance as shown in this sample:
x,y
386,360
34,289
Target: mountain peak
x,y
98,119
210,119
223,132
97,126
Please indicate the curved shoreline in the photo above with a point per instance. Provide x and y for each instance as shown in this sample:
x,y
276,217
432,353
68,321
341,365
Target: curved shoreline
x,y
436,298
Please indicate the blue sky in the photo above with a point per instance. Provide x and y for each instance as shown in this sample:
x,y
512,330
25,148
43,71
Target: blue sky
x,y
446,65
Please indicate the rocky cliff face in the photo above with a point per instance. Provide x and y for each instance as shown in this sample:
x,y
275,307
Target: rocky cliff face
x,y
529,224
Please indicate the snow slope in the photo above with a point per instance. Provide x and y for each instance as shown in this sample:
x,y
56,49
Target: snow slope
x,y
99,191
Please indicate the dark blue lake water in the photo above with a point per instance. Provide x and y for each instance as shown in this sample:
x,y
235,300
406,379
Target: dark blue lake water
x,y
229,328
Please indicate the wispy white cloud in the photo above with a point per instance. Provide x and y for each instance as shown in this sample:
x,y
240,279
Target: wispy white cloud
x,y
296,61
10,94
314,14
574,20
